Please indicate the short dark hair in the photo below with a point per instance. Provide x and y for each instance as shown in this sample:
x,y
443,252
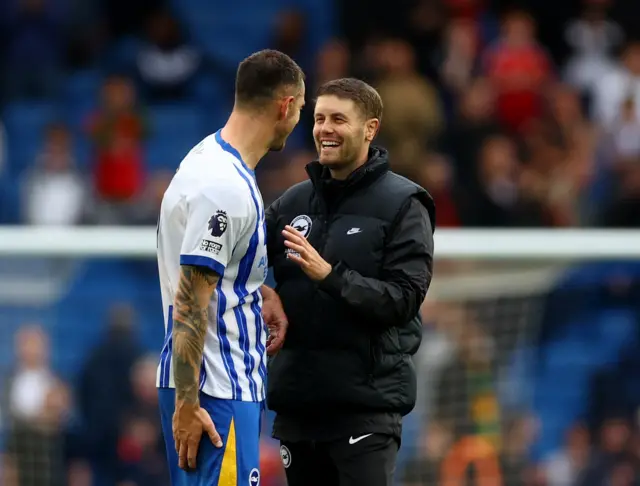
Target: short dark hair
x,y
365,97
262,74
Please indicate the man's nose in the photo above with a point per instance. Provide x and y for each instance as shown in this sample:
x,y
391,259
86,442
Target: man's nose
x,y
327,129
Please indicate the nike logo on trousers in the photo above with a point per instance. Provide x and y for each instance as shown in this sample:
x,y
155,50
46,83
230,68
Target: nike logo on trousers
x,y
358,439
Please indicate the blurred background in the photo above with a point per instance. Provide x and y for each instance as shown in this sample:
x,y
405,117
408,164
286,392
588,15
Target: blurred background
x,y
512,114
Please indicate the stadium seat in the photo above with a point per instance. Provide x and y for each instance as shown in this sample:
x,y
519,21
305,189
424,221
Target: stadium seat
x,y
25,123
81,97
177,120
9,199
175,129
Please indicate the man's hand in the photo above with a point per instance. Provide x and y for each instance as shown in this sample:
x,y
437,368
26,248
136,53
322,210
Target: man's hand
x,y
306,255
189,423
275,319
190,321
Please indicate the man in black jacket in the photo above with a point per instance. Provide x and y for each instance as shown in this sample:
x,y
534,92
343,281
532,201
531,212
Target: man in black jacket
x,y
352,253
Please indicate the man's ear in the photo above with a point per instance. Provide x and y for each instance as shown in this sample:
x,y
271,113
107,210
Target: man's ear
x,y
371,128
286,104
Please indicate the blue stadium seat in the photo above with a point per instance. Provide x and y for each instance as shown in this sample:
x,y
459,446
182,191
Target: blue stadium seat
x,y
166,154
25,123
81,97
175,129
9,200
177,120
83,87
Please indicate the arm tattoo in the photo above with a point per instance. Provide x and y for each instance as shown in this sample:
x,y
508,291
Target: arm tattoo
x,y
190,320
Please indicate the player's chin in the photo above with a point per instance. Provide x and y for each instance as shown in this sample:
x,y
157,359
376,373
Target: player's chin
x,y
330,160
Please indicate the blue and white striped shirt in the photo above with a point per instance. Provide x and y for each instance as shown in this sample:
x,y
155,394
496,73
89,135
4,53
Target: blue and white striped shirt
x,y
212,215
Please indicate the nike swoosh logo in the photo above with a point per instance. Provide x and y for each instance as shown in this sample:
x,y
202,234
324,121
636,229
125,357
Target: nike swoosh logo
x,y
358,439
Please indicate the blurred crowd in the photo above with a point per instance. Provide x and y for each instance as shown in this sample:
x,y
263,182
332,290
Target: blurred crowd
x,y
100,428
503,129
510,114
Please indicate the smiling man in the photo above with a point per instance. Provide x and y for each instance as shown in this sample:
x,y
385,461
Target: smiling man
x,y
352,252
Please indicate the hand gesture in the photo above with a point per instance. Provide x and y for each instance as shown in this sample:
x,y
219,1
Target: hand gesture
x,y
275,319
305,255
189,423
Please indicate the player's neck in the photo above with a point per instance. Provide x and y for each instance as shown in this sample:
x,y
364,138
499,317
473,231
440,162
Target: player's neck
x,y
247,134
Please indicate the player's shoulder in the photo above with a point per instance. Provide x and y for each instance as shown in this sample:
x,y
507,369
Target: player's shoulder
x,y
208,158
209,171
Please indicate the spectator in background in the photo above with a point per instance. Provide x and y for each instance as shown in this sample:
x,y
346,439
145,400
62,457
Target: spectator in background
x,y
166,63
620,84
467,400
474,122
605,460
561,147
103,396
425,468
564,466
413,114
141,449
117,131
518,435
271,470
436,176
36,403
333,62
54,193
278,179
624,209
145,211
626,135
499,202
592,38
477,11
519,69
290,32
34,39
460,63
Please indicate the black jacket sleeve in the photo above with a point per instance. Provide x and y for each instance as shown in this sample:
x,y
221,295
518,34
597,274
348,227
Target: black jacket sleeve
x,y
271,218
396,298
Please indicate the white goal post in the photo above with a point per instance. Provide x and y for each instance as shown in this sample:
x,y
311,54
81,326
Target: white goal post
x,y
458,244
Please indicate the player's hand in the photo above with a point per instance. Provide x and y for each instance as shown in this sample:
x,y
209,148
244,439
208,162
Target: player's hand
x,y
316,267
275,319
189,423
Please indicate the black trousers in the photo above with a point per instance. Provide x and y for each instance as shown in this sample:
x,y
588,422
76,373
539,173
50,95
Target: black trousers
x,y
368,460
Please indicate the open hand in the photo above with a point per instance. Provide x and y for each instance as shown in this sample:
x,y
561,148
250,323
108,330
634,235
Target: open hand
x,y
306,256
189,423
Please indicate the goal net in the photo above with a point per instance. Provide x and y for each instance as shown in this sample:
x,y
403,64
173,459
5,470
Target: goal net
x,y
519,328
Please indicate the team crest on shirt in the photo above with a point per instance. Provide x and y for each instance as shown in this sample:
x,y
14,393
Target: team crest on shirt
x,y
218,224
254,477
302,223
285,455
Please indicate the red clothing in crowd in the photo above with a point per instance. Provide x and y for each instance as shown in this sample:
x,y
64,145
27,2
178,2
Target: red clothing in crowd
x,y
518,73
119,172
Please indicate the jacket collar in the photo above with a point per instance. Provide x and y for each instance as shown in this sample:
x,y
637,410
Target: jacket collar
x,y
372,169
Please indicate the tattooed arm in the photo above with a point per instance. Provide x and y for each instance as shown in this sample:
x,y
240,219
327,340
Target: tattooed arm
x,y
190,321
